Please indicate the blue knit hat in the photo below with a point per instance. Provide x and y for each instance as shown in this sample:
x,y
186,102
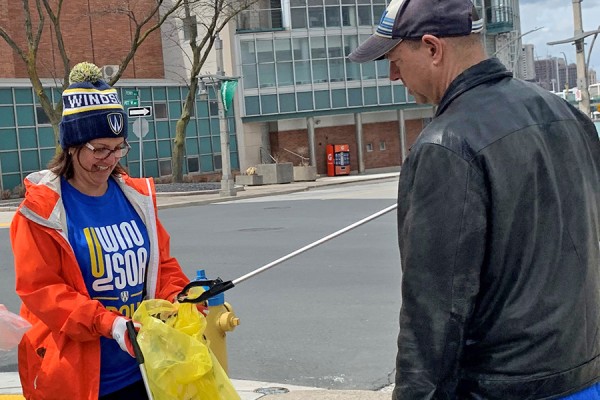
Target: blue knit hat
x,y
91,108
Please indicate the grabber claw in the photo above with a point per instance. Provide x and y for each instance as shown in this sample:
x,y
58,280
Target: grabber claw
x,y
215,286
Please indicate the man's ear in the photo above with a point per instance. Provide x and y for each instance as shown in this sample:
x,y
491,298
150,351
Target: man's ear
x,y
434,47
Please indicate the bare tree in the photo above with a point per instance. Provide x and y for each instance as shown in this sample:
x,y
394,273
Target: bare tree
x,y
43,12
211,17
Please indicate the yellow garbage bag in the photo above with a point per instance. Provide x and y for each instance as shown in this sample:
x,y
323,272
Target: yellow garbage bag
x,y
178,361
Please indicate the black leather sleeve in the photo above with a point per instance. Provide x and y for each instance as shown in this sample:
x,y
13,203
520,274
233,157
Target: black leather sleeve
x,y
442,210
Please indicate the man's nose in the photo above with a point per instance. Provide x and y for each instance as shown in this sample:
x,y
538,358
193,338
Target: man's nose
x,y
394,72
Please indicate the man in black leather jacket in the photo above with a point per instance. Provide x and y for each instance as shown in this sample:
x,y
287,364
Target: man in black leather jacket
x,y
498,221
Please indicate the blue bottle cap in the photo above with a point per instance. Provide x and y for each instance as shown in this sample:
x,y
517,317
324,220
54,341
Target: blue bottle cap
x,y
215,300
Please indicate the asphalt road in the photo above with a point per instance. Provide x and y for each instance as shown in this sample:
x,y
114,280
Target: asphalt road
x,y
326,318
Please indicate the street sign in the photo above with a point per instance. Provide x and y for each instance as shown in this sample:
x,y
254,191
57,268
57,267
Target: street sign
x,y
132,93
131,102
141,127
145,111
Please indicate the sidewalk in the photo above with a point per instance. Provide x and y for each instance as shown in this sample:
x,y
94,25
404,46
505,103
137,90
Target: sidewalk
x,y
10,387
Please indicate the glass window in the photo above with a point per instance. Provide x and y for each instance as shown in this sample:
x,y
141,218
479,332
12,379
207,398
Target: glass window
x,y
30,161
10,162
287,103
175,108
334,46
336,69
264,49
8,140
23,96
317,47
378,12
332,16
266,75
364,16
320,71
206,163
352,71
315,17
315,2
250,76
305,101
42,118
6,96
370,95
399,93
162,130
322,100
248,51
164,148
252,107
355,97
205,146
27,138
285,74
193,164
283,49
350,43
160,110
299,18
348,16
160,94
338,98
301,49
46,137
383,68
303,75
385,94
25,116
269,104
368,70
7,117
298,3
174,93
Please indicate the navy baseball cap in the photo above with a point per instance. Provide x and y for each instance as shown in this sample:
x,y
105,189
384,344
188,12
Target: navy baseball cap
x,y
411,19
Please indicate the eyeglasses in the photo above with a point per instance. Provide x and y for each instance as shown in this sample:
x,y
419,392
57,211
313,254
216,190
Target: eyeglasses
x,y
103,153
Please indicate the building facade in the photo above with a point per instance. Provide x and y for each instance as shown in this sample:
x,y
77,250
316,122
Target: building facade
x,y
297,91
27,141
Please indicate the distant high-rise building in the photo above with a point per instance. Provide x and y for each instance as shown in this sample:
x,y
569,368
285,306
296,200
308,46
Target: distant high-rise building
x,y
503,32
553,74
526,63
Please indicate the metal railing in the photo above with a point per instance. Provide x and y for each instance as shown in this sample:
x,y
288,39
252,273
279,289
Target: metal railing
x,y
259,20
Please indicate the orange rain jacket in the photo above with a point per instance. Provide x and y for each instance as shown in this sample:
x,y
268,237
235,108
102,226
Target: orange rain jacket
x,y
59,357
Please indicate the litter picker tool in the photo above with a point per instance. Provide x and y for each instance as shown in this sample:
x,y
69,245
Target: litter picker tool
x,y
139,357
217,286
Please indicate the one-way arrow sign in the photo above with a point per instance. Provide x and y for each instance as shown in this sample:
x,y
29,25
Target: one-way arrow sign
x,y
145,111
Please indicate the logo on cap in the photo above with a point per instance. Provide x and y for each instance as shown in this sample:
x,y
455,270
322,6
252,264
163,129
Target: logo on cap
x,y
115,122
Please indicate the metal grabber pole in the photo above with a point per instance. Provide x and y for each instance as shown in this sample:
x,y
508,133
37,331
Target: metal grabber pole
x,y
218,286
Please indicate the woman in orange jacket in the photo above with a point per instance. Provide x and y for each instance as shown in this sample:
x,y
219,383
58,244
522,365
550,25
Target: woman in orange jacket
x,y
88,249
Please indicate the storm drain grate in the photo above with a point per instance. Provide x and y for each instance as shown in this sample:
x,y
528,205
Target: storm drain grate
x,y
271,390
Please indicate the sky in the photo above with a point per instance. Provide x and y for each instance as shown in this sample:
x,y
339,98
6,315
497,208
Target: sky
x,y
556,18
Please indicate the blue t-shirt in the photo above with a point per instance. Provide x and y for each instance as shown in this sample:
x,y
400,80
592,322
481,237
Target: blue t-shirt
x,y
111,245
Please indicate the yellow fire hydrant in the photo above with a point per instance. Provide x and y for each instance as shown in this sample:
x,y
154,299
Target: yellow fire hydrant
x,y
220,320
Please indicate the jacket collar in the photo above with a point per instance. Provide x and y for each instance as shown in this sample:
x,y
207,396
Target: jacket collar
x,y
487,70
43,203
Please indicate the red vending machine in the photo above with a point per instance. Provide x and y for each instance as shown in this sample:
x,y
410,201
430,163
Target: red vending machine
x,y
338,159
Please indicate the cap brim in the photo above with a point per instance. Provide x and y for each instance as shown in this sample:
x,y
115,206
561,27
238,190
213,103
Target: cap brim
x,y
374,48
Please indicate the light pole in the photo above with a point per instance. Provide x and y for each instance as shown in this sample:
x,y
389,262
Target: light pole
x,y
218,82
566,71
579,40
557,76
